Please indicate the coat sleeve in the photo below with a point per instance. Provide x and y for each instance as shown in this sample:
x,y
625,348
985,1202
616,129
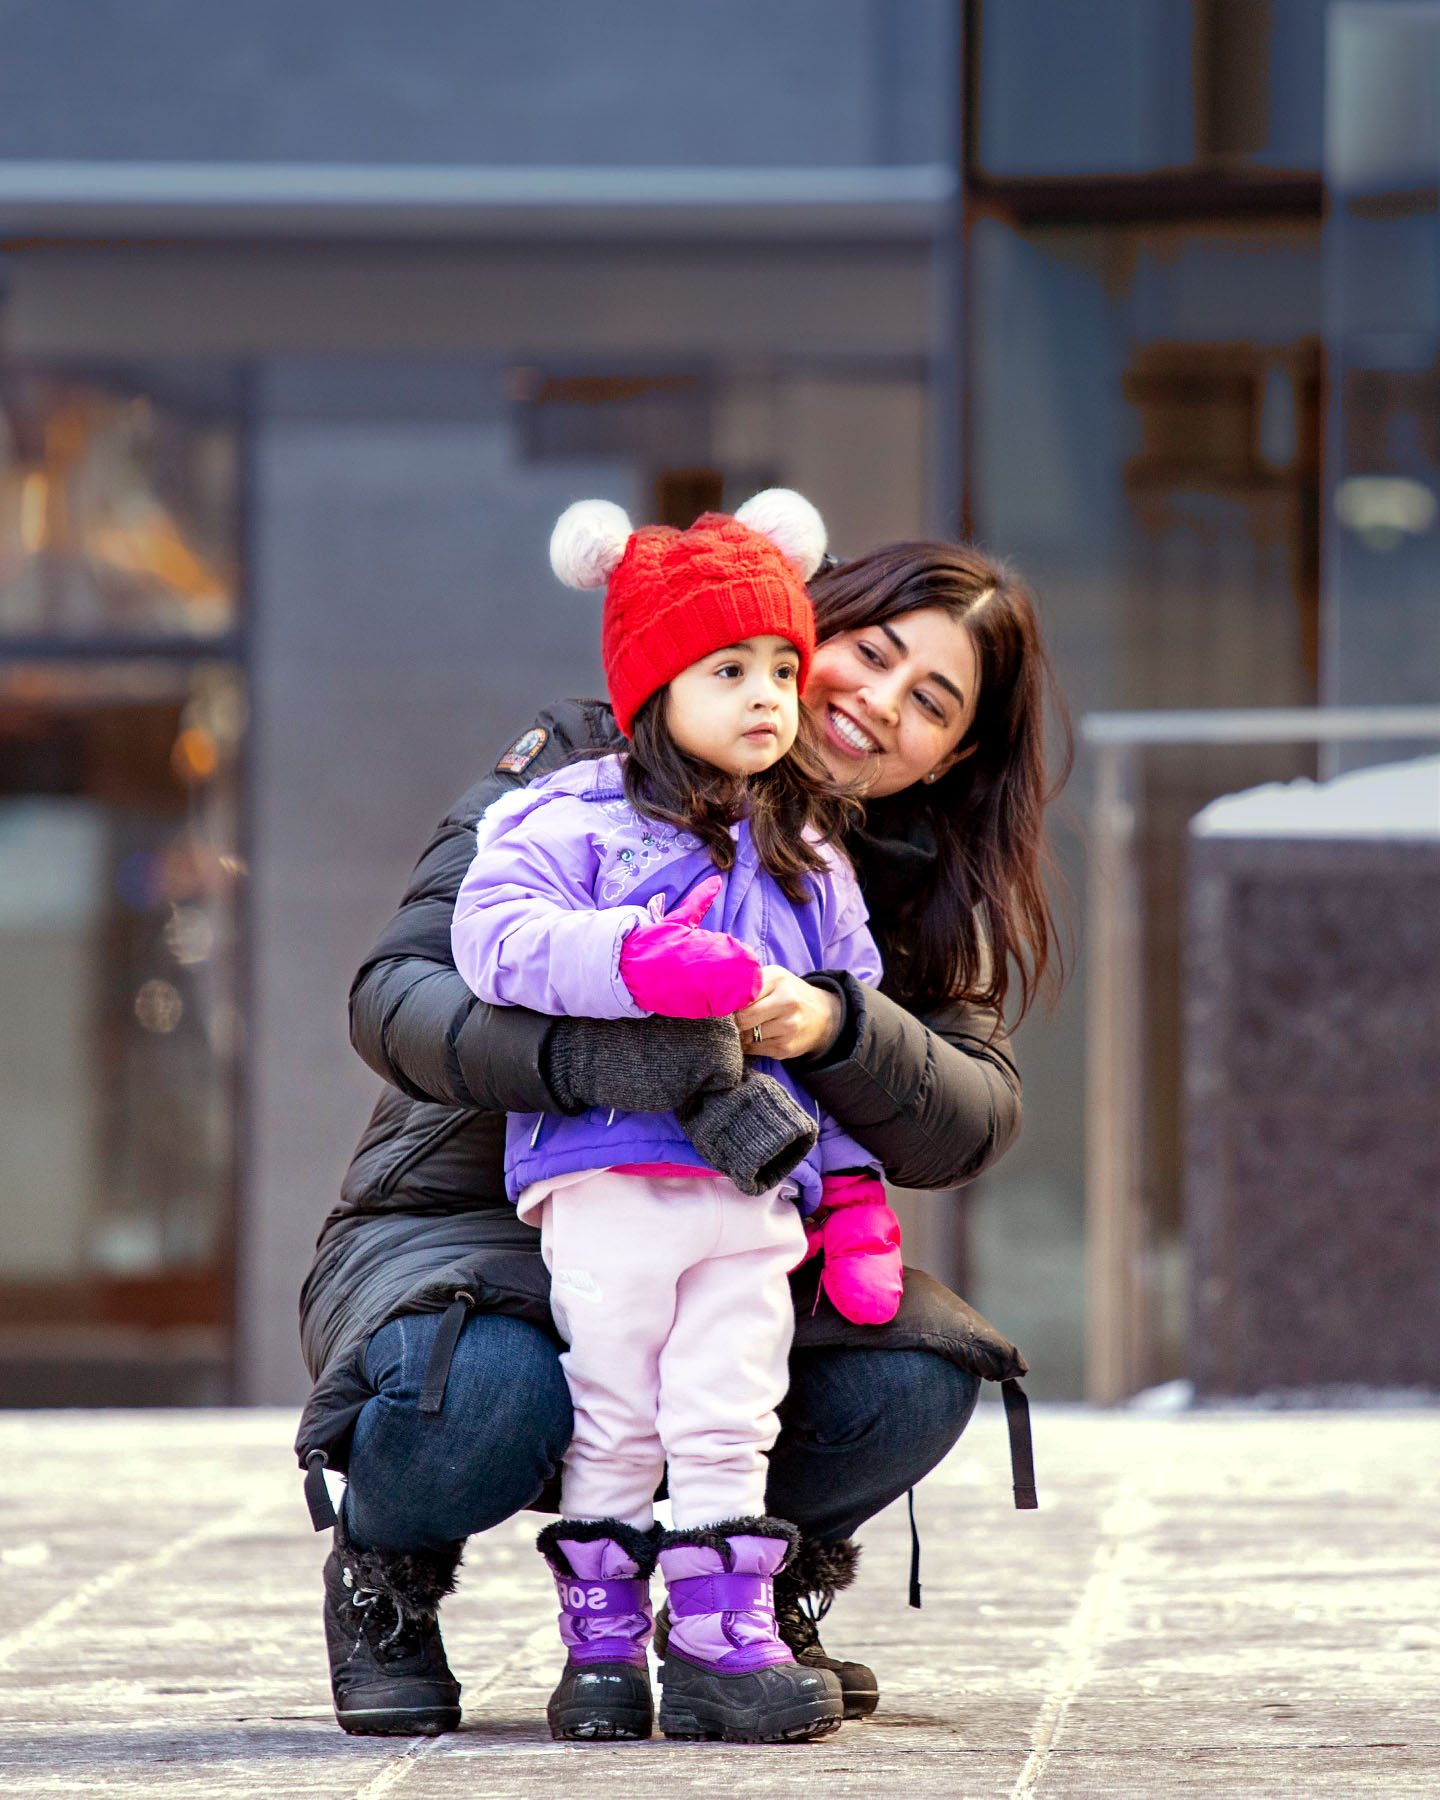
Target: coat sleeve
x,y
935,1101
526,930
412,1018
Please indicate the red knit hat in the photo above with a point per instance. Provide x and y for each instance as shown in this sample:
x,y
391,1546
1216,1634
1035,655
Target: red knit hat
x,y
674,596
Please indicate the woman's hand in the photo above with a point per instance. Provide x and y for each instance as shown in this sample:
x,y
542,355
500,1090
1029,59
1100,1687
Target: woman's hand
x,y
794,1018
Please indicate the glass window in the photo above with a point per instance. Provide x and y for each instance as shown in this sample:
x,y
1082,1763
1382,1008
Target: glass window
x,y
119,866
1103,88
1128,87
118,509
1145,441
1383,275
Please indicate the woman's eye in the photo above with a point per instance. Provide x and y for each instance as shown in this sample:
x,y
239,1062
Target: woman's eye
x,y
935,710
871,654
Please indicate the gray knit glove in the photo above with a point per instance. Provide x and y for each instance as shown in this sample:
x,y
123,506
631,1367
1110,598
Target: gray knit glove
x,y
755,1133
640,1065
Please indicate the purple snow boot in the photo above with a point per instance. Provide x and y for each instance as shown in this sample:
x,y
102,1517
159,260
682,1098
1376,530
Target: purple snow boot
x,y
602,1573
727,1672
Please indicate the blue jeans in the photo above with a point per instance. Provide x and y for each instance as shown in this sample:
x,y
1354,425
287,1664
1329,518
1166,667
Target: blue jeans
x,y
857,1429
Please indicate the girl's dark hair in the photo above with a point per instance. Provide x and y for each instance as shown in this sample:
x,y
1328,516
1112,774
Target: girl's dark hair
x,y
798,794
983,911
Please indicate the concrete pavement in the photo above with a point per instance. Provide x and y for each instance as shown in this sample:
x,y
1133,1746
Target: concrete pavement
x,y
1220,1603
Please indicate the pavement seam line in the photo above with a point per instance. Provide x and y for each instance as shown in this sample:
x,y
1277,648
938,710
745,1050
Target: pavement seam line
x,y
119,1573
395,1772
1121,1531
399,1770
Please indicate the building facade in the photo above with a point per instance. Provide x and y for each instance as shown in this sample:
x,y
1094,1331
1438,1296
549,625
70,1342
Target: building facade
x,y
313,322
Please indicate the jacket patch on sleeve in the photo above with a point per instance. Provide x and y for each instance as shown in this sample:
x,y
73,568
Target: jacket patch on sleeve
x,y
518,758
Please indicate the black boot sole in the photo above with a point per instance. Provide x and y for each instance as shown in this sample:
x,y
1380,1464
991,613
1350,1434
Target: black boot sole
x,y
860,1691
399,1721
605,1703
700,1704
860,1703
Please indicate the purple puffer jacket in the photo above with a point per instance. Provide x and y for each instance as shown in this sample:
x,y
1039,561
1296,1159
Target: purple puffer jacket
x,y
563,872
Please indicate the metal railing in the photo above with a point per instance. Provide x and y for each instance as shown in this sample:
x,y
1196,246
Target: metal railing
x,y
1115,1237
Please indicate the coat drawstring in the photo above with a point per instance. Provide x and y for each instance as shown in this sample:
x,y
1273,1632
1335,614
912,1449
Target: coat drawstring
x,y
914,1554
317,1495
1022,1457
432,1398
437,1370
1022,1472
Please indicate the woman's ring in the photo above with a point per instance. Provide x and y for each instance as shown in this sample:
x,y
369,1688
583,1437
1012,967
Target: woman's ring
x,y
755,1033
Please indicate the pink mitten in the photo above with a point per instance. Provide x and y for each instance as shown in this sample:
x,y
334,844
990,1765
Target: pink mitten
x,y
861,1238
675,969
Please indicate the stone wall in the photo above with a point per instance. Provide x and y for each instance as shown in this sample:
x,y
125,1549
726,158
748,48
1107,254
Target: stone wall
x,y
1313,1090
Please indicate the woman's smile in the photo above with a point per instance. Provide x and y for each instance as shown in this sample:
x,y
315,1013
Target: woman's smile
x,y
848,734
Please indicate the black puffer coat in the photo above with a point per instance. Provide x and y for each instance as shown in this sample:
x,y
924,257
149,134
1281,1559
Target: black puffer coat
x,y
423,1211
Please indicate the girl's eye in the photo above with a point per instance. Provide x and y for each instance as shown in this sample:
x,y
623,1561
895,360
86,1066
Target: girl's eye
x,y
786,672
728,670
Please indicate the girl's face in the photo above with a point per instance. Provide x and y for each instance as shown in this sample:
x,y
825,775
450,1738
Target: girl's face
x,y
894,700
738,709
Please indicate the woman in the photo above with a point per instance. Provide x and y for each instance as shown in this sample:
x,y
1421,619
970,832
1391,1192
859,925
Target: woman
x,y
425,1316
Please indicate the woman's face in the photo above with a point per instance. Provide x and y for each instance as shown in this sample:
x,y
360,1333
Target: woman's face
x,y
894,700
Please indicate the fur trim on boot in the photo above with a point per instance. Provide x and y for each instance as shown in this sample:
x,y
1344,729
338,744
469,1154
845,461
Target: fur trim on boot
x,y
717,1537
642,1547
821,1570
805,1590
414,1582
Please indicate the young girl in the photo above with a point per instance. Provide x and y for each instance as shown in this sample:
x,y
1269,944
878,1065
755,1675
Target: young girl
x,y
586,898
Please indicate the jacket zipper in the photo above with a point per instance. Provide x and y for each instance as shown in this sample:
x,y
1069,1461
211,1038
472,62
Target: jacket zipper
x,y
540,1126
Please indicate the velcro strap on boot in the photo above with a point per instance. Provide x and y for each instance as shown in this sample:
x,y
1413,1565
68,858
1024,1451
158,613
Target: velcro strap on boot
x,y
696,1594
599,1599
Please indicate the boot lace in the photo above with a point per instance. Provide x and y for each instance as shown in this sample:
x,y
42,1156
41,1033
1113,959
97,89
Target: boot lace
x,y
798,1615
373,1604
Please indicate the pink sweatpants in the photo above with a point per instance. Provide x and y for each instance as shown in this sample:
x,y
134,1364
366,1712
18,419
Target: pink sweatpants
x,y
672,1295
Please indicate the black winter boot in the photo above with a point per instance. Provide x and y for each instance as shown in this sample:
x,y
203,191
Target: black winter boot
x,y
388,1672
804,1592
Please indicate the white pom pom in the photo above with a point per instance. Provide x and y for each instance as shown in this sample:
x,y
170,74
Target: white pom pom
x,y
791,523
588,541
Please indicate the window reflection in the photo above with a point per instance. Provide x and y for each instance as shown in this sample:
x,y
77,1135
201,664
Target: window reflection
x,y
119,874
117,511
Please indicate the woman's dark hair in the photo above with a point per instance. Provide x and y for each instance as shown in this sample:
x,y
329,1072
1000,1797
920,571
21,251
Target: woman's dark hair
x,y
796,795
982,911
